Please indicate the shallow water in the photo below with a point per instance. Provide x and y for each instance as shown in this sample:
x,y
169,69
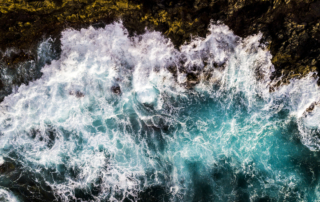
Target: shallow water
x,y
120,119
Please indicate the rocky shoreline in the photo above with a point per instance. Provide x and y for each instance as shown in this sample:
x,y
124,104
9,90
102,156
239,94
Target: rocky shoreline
x,y
291,28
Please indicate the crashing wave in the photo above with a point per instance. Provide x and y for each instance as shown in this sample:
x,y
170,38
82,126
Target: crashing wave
x,y
6,196
116,117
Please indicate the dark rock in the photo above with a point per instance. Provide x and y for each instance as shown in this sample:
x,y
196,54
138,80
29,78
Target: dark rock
x,y
290,28
192,79
311,107
78,94
116,90
7,167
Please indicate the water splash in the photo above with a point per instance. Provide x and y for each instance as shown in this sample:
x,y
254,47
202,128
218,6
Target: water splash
x,y
128,119
6,196
12,77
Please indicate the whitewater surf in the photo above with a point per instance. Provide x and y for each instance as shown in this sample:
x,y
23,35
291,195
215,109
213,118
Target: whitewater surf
x,y
121,118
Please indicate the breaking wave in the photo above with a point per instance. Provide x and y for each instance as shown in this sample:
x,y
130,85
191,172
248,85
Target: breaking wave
x,y
121,118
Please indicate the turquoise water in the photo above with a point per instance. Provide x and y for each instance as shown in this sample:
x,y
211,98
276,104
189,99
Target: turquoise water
x,y
123,119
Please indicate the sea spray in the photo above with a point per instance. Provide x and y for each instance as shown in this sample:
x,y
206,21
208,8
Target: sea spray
x,y
6,196
12,77
121,118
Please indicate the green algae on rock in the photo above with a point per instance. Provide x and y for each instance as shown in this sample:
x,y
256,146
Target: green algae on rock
x,y
290,27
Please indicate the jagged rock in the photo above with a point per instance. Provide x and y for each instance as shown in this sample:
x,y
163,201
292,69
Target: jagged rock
x,y
290,27
311,107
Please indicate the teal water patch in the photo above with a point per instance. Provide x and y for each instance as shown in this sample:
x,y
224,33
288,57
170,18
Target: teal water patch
x,y
133,119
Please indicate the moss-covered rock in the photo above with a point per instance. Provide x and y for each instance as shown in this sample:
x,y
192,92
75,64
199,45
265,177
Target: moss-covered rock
x,y
291,27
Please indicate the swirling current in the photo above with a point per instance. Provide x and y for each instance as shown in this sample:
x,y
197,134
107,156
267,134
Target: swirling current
x,y
119,118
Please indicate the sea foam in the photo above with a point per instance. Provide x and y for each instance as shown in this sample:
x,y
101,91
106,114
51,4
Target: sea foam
x,y
118,116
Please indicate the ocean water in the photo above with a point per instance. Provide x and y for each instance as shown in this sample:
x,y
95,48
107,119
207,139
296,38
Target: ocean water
x,y
121,118
11,78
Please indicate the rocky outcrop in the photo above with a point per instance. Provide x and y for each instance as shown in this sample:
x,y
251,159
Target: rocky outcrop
x,y
290,27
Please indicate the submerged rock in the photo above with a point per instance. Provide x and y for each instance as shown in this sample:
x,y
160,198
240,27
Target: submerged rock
x,y
78,94
6,167
116,89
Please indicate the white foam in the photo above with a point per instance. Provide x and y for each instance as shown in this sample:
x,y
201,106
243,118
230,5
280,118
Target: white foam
x,y
1,160
7,196
75,96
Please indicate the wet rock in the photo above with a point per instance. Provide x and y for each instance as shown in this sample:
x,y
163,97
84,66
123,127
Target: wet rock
x,y
311,107
78,94
16,57
291,28
6,167
192,79
173,70
116,90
